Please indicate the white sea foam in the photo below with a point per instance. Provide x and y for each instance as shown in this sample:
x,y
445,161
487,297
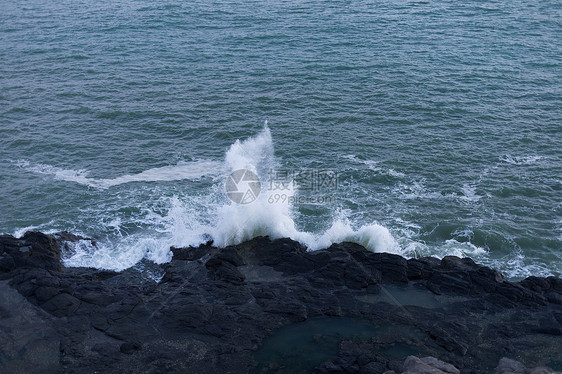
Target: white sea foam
x,y
469,193
116,256
521,160
453,247
183,170
194,219
395,173
21,231
517,265
373,165
180,226
417,190
513,265
43,227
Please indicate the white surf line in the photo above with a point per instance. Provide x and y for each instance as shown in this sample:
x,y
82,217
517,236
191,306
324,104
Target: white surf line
x,y
183,170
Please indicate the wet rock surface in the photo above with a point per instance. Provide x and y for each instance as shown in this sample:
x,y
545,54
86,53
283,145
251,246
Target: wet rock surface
x,y
225,310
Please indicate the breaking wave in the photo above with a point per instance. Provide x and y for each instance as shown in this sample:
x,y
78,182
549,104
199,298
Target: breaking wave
x,y
191,219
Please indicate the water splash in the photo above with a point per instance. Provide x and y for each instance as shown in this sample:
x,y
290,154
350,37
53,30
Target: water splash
x,y
191,220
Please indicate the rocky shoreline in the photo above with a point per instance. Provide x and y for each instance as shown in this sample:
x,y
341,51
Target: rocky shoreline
x,y
269,306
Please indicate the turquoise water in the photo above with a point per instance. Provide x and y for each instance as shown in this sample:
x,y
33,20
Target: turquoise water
x,y
442,119
301,347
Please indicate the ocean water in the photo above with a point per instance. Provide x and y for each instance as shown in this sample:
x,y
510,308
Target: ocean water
x,y
426,127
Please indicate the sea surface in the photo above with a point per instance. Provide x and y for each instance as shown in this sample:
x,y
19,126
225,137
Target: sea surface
x,y
424,128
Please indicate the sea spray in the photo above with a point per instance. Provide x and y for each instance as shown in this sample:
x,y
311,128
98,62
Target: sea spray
x,y
274,217
192,220
264,216
186,218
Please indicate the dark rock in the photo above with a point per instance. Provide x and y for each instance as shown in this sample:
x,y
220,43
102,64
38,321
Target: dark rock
x,y
440,365
329,367
215,307
33,250
7,262
130,348
536,283
415,269
61,305
457,263
44,293
393,268
191,253
549,326
65,237
508,366
447,340
427,365
224,270
555,283
373,368
189,316
457,282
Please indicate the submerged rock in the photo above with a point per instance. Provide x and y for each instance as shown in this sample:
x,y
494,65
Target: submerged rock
x,y
427,365
225,310
509,366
